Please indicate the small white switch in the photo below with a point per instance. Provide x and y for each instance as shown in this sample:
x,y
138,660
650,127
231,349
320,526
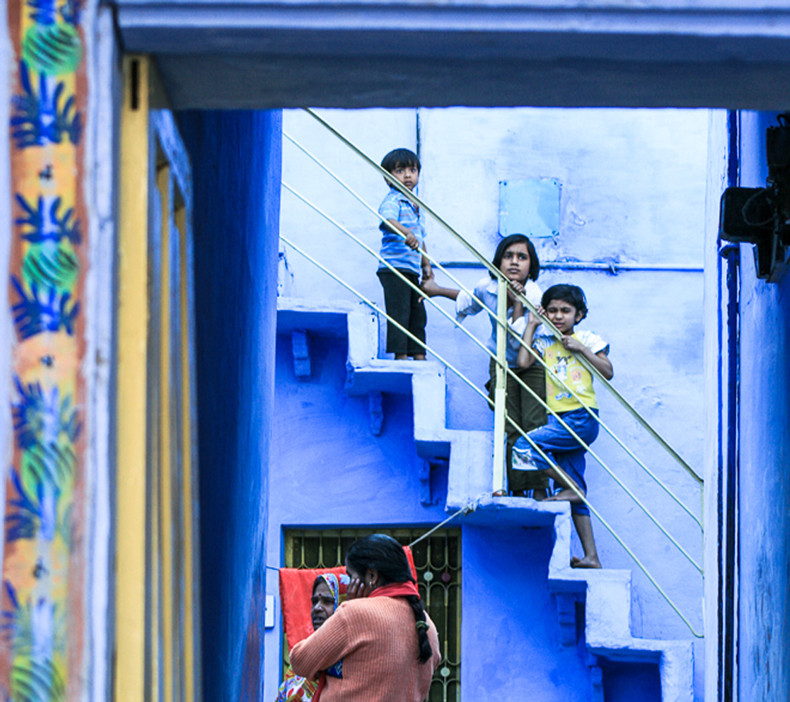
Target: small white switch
x,y
268,620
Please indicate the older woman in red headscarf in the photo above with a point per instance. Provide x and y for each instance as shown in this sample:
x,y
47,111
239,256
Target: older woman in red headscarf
x,y
327,592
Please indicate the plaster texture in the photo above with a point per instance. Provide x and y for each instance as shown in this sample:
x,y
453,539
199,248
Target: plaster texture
x,y
715,362
103,72
235,220
511,644
633,191
287,53
764,536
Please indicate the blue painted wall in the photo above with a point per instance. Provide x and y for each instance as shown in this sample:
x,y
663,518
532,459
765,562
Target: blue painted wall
x,y
329,470
236,165
510,634
764,457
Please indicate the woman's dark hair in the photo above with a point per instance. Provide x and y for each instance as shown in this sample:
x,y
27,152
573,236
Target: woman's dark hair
x,y
400,158
534,262
572,294
383,554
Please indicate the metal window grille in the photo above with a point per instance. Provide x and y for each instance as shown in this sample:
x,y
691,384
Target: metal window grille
x,y
438,563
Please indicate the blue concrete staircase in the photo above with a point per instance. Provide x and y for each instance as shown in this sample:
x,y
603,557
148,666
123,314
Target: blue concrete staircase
x,y
606,593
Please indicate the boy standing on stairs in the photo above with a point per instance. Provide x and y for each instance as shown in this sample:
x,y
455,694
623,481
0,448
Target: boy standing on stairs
x,y
403,249
565,306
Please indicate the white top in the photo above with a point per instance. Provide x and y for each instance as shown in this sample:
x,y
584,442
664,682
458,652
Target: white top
x,y
486,292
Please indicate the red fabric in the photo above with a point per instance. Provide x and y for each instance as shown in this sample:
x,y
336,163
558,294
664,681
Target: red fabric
x,y
296,591
395,590
410,558
320,688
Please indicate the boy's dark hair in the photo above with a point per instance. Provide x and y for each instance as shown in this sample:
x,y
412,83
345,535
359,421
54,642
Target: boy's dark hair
x,y
382,553
572,294
400,158
534,263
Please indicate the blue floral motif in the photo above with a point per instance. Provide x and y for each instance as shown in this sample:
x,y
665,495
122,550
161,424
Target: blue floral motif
x,y
38,118
36,629
49,312
44,11
71,11
45,223
31,626
31,515
41,418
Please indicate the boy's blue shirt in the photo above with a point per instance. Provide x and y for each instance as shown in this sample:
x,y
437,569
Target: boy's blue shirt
x,y
397,206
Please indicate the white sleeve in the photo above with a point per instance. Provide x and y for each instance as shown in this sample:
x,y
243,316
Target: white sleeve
x,y
466,305
533,293
540,342
592,341
518,326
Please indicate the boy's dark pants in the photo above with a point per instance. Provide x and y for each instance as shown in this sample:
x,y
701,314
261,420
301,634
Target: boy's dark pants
x,y
406,307
529,414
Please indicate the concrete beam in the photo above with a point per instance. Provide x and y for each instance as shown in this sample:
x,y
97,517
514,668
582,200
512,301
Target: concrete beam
x,y
397,53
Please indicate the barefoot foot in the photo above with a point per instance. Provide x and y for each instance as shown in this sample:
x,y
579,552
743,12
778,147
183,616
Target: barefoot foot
x,y
586,562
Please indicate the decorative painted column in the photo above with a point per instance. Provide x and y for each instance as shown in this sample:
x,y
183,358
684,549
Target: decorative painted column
x,y
42,593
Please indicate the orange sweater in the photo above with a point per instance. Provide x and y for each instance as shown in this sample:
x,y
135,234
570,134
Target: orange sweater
x,y
377,641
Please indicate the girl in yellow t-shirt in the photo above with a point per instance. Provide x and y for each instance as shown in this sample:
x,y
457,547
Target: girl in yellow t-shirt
x,y
569,388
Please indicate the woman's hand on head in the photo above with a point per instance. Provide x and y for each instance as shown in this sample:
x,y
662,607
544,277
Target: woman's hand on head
x,y
356,589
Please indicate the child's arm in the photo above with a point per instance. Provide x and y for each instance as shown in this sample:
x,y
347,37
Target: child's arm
x,y
432,289
603,364
525,359
600,360
427,271
411,240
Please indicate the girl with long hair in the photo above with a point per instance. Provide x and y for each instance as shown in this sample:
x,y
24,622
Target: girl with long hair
x,y
387,642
